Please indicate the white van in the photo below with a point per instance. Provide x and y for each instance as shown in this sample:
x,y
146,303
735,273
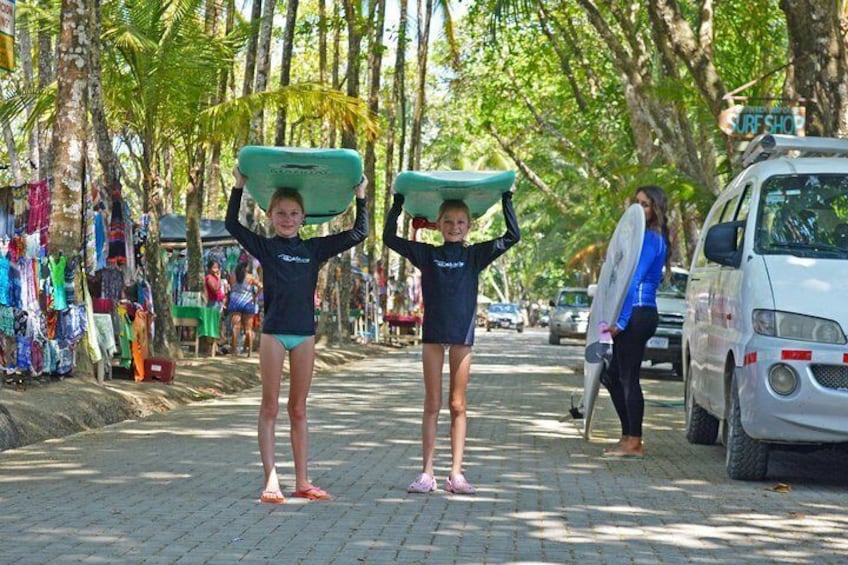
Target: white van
x,y
765,359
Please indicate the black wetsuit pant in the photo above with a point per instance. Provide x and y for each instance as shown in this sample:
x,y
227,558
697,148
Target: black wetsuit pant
x,y
622,378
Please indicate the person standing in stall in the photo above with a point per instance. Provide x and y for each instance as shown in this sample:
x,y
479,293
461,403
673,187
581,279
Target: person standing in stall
x,y
290,268
241,307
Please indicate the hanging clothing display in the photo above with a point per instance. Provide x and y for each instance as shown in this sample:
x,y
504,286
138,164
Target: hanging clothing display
x,y
117,235
39,210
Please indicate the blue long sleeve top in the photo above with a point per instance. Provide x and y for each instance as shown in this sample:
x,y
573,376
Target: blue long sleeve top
x,y
449,275
646,278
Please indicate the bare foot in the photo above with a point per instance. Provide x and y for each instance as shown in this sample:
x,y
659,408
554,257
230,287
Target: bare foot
x,y
619,445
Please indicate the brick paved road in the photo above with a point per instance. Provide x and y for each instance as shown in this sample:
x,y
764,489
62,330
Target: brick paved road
x,y
182,487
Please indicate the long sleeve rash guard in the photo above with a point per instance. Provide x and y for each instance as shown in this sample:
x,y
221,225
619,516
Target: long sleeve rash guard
x,y
647,277
449,275
290,268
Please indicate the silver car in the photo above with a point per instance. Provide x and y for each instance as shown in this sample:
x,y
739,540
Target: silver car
x,y
664,346
504,315
569,314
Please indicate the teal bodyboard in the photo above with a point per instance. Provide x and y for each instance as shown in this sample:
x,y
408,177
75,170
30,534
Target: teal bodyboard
x,y
325,178
424,191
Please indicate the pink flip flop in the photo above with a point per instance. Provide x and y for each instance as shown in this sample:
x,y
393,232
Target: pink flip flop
x,y
312,493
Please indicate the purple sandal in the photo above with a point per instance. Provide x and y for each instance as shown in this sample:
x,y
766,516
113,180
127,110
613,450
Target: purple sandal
x,y
423,484
458,485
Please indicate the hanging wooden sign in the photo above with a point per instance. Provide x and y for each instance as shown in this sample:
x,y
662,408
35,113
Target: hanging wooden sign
x,y
7,35
747,122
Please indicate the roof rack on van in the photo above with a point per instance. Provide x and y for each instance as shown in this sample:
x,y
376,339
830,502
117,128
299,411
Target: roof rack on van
x,y
771,146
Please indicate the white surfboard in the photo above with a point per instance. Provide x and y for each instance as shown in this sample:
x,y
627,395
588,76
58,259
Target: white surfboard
x,y
616,273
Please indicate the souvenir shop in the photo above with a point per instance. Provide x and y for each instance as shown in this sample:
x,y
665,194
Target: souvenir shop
x,y
195,322
44,317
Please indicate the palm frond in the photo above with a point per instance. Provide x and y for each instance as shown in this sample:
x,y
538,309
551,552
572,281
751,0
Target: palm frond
x,y
232,118
41,104
449,27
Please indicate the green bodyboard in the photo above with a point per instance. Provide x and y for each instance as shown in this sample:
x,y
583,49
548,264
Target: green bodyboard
x,y
424,191
324,177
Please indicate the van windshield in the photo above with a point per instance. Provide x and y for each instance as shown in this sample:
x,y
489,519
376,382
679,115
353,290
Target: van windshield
x,y
804,215
576,299
673,286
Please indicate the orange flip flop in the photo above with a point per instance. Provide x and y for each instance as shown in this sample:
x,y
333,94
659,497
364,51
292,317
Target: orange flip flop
x,y
312,493
272,497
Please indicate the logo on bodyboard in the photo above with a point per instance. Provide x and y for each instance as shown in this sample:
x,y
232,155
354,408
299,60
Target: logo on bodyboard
x,y
293,169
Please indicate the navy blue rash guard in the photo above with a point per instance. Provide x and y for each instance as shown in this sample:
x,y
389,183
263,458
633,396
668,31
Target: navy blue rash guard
x,y
449,275
290,268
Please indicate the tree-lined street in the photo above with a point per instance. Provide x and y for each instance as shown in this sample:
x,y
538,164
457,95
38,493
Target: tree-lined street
x,y
183,487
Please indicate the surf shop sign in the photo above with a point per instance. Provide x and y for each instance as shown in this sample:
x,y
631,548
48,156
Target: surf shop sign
x,y
7,35
747,122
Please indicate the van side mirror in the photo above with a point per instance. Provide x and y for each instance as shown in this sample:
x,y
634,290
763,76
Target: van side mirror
x,y
551,303
592,290
722,244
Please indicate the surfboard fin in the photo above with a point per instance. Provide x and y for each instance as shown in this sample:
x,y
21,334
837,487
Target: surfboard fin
x,y
575,411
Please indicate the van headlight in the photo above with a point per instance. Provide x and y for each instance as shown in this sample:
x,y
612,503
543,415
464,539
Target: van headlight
x,y
797,326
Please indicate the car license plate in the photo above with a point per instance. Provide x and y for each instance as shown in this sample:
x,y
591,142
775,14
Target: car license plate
x,y
504,323
658,343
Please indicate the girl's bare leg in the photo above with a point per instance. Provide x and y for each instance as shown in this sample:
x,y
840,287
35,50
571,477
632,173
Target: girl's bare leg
x,y
433,357
460,371
302,362
247,324
271,358
235,325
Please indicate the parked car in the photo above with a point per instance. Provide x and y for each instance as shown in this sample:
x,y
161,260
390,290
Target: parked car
x,y
545,319
569,314
664,346
504,315
764,345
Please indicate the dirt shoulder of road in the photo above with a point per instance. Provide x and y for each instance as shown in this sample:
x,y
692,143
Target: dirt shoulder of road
x,y
76,404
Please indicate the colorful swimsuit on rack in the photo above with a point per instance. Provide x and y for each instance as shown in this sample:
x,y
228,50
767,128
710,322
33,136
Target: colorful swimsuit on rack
x,y
57,277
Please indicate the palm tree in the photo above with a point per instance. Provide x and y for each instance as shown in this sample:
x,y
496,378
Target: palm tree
x,y
69,133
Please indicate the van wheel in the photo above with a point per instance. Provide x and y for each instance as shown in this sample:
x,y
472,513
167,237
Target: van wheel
x,y
553,339
746,458
701,426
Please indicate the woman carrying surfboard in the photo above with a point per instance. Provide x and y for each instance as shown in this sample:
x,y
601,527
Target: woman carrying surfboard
x,y
449,276
636,324
290,268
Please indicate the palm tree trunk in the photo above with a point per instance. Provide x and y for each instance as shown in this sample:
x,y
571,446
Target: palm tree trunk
x,y
263,67
26,66
45,77
397,120
251,51
69,136
194,204
424,18
100,129
375,59
334,73
213,196
285,68
155,269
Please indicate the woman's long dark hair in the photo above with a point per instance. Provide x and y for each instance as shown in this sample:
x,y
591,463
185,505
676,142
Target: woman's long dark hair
x,y
659,218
